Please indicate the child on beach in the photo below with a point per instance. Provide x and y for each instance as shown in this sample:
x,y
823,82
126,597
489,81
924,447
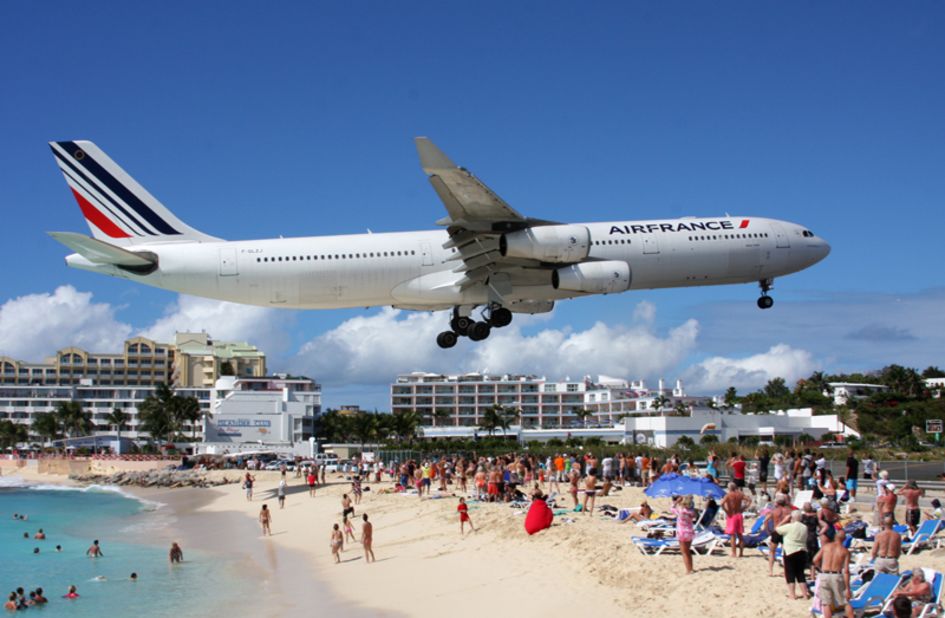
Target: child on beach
x,y
349,529
176,554
464,517
311,482
337,542
265,518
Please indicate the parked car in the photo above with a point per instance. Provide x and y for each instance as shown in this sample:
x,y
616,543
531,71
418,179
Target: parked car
x,y
327,460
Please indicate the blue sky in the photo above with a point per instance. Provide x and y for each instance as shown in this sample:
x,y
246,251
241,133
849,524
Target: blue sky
x,y
248,121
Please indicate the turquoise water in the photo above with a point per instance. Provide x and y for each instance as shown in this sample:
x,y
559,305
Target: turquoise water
x,y
129,532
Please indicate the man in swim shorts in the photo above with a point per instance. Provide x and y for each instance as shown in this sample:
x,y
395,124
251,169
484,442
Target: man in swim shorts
x,y
734,504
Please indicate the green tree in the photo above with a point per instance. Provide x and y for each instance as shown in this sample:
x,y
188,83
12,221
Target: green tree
x,y
660,402
73,419
902,380
776,389
47,426
186,410
440,416
405,425
12,433
582,414
932,372
730,399
709,439
681,409
157,414
365,426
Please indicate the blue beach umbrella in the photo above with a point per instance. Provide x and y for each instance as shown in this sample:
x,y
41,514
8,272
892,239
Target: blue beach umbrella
x,y
678,485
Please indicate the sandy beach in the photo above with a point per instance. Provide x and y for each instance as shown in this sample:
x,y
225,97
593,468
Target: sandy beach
x,y
582,564
425,568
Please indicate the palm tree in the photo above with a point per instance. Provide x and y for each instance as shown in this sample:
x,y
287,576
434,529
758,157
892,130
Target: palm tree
x,y
405,424
156,414
365,426
681,409
661,402
440,415
491,419
186,409
12,433
583,414
46,425
117,417
74,420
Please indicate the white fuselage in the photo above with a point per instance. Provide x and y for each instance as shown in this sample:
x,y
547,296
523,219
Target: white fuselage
x,y
413,270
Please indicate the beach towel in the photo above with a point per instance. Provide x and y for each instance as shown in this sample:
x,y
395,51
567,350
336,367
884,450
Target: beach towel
x,y
539,517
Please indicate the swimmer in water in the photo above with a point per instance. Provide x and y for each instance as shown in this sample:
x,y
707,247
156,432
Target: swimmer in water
x,y
176,554
39,599
58,547
72,594
99,578
35,550
134,577
40,535
94,551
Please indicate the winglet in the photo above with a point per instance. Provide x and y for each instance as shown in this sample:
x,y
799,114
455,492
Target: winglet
x,y
431,157
99,252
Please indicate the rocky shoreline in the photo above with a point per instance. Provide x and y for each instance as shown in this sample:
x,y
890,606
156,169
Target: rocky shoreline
x,y
170,479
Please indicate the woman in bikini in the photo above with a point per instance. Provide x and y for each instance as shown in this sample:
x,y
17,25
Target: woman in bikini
x,y
337,543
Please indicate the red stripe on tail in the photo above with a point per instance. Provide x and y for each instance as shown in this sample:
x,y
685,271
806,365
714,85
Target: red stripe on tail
x,y
96,218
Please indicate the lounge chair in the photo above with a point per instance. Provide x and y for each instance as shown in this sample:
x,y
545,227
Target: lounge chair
x,y
923,536
933,607
704,542
872,597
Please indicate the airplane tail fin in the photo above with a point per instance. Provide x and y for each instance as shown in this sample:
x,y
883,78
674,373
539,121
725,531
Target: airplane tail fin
x,y
118,210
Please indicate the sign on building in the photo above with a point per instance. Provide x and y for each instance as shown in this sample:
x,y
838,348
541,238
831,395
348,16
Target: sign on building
x,y
933,425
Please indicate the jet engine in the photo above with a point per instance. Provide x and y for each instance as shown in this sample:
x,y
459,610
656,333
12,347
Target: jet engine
x,y
593,277
548,243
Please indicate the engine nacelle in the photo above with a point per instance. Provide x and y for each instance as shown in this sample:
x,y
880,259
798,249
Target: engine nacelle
x,y
548,243
593,277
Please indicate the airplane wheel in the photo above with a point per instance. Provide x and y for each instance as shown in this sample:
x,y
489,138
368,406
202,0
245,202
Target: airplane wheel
x,y
765,302
446,339
479,331
461,324
500,317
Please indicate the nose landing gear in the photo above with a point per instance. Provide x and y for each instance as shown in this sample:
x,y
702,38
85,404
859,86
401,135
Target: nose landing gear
x,y
765,301
465,326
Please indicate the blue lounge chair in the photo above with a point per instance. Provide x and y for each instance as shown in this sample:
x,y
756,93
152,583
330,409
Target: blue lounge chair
x,y
872,597
704,542
933,607
923,536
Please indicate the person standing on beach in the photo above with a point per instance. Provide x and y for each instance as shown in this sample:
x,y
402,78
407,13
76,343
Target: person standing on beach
x,y
911,493
575,476
734,504
310,478
463,510
349,530
324,471
337,542
280,493
346,508
176,554
367,539
590,492
684,529
887,548
94,551
248,486
794,537
833,562
265,518
356,489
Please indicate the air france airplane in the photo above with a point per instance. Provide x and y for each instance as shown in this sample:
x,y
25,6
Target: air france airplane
x,y
489,257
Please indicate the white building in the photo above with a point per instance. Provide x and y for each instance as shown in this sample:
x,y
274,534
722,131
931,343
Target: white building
x,y
460,400
664,431
844,392
275,410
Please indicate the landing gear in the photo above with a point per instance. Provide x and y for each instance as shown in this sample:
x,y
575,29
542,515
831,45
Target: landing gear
x,y
446,339
500,317
462,325
765,301
479,331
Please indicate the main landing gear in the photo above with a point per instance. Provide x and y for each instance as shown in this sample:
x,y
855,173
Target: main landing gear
x,y
765,301
465,326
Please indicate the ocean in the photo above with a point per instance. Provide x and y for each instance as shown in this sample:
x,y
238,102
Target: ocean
x,y
134,538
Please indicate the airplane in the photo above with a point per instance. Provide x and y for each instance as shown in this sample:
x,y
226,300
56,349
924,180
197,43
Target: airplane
x,y
489,257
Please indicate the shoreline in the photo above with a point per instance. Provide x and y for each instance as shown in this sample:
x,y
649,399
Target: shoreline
x,y
424,568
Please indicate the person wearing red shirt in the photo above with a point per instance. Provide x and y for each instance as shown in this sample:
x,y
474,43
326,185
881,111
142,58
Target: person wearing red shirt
x,y
738,465
464,516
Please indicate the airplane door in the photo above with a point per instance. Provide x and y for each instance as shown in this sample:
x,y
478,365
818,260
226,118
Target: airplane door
x,y
426,254
651,245
228,265
783,242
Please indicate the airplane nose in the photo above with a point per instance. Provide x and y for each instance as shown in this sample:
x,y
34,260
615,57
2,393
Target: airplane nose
x,y
823,249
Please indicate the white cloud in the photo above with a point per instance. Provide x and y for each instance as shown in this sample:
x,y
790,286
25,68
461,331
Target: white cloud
x,y
750,373
374,349
260,326
35,326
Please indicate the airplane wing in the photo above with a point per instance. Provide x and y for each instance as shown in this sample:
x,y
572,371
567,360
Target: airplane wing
x,y
100,252
476,218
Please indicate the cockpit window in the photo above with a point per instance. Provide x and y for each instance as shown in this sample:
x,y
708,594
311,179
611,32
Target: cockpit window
x,y
808,234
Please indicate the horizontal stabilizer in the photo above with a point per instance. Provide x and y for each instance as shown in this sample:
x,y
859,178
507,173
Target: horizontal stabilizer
x,y
100,252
